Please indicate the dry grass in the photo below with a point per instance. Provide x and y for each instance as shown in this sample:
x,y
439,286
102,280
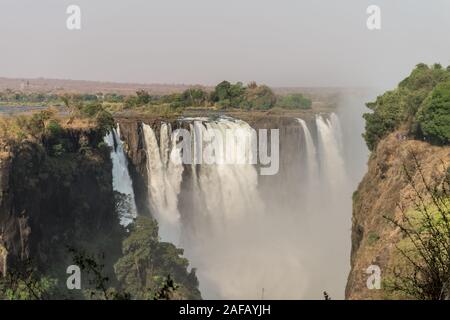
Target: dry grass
x,y
16,127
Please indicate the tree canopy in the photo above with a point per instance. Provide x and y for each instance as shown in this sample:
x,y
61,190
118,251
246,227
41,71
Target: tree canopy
x,y
420,103
147,262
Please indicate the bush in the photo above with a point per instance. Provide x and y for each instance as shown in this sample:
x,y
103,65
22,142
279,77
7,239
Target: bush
x,y
130,102
227,95
434,116
409,104
58,150
104,118
372,238
143,97
54,128
388,114
294,101
260,98
91,109
105,121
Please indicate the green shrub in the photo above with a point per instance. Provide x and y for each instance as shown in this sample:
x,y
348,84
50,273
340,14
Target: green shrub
x,y
54,128
409,105
91,109
130,102
227,95
260,98
372,238
37,123
388,113
143,97
434,116
58,150
105,121
294,101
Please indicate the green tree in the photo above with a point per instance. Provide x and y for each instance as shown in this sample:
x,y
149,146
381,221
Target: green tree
x,y
146,262
402,106
143,97
25,283
130,102
228,95
221,91
434,116
260,98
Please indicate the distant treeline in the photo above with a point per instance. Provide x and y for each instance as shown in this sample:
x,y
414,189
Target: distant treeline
x,y
224,96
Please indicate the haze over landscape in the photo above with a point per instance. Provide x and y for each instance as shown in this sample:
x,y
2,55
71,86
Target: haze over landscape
x,y
106,135
280,43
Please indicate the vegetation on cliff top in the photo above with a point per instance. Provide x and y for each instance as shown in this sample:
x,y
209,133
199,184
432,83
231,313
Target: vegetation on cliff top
x,y
56,157
225,96
420,104
49,123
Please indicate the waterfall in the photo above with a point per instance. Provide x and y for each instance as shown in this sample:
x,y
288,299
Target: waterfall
x,y
224,231
225,205
121,178
335,123
164,181
229,189
311,152
243,232
331,153
322,216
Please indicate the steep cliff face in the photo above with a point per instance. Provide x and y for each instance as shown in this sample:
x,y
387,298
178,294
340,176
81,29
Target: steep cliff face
x,y
384,188
50,201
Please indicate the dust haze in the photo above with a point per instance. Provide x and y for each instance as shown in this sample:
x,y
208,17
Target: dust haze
x,y
280,43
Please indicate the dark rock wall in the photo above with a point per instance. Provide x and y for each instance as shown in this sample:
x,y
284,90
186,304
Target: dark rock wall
x,y
48,202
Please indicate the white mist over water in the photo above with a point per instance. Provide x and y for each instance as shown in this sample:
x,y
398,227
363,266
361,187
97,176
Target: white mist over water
x,y
121,178
164,181
331,152
285,236
223,232
223,226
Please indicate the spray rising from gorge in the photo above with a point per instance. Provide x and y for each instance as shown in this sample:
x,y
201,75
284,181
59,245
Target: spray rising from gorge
x,y
253,236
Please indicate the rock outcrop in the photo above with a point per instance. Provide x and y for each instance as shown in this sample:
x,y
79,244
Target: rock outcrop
x,y
382,190
49,202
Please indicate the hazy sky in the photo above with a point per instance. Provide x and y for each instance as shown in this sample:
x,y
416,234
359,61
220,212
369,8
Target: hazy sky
x,y
278,42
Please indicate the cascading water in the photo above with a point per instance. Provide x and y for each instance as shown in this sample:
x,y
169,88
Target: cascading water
x,y
236,228
121,178
164,181
330,146
326,237
311,152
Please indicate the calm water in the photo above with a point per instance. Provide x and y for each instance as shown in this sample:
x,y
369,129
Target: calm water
x,y
9,110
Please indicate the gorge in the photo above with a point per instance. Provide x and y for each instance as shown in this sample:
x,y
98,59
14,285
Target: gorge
x,y
247,235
